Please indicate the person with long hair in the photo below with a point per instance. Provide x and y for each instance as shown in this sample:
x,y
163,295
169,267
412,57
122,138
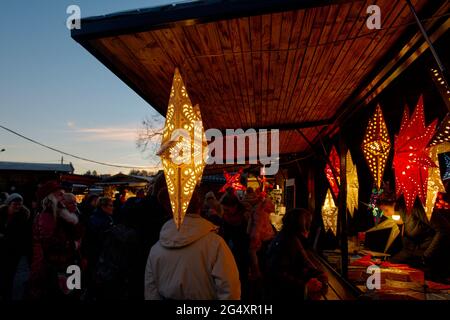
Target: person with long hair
x,y
290,273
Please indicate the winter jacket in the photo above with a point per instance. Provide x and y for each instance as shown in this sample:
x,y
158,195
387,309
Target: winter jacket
x,y
15,235
15,242
193,263
55,241
98,223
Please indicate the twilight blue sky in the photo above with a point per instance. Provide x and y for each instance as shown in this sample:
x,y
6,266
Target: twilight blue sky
x,y
54,91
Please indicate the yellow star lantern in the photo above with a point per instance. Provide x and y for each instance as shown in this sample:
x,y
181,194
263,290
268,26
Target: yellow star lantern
x,y
434,177
329,213
376,146
352,185
183,147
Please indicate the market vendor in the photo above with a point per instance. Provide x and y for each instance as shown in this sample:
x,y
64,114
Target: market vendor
x,y
425,245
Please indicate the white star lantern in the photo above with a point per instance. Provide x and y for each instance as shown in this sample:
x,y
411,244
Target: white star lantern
x,y
183,149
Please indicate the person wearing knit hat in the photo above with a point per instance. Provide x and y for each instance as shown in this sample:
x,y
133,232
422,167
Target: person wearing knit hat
x,y
14,197
15,244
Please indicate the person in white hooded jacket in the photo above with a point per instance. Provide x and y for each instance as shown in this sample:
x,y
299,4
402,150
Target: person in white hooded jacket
x,y
193,263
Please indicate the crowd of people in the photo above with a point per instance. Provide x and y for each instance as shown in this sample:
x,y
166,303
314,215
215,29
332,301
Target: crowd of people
x,y
226,248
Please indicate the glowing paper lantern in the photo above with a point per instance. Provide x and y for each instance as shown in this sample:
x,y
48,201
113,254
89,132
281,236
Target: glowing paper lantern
x,y
233,181
265,185
434,178
411,157
336,163
352,185
329,213
181,149
376,146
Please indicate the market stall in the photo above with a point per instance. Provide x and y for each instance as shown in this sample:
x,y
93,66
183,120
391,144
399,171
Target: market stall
x,y
315,73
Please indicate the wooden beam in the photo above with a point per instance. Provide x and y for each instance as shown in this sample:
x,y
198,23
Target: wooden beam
x,y
290,126
185,14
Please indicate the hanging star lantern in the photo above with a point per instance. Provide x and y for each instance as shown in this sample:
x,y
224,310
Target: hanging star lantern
x,y
336,163
411,156
233,181
434,177
263,182
183,146
352,185
376,146
329,213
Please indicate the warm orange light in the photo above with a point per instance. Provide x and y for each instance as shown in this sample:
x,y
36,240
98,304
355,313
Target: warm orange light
x,y
376,146
352,185
182,158
330,213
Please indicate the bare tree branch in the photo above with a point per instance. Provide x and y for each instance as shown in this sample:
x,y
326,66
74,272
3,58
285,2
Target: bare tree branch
x,y
149,137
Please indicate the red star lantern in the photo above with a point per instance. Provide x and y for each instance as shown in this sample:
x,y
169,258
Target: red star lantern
x,y
376,146
441,203
336,163
411,156
265,186
233,181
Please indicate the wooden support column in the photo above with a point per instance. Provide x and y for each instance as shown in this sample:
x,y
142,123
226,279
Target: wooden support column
x,y
342,214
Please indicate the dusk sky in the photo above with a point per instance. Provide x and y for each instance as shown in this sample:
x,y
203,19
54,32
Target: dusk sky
x,y
54,91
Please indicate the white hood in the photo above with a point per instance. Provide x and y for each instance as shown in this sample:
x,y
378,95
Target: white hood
x,y
193,228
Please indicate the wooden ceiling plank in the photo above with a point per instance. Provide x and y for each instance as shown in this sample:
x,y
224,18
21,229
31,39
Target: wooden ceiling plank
x,y
360,49
305,59
265,42
337,49
286,30
129,65
256,38
294,60
316,52
198,66
351,21
335,19
212,46
224,71
323,64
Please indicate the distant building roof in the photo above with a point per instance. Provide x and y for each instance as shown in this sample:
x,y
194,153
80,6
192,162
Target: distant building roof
x,y
127,180
25,166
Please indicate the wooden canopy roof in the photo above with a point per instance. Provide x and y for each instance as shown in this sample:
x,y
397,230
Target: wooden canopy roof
x,y
253,64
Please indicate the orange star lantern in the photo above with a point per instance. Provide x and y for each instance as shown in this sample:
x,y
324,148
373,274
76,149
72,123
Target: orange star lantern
x,y
376,146
329,213
352,185
411,156
435,184
183,147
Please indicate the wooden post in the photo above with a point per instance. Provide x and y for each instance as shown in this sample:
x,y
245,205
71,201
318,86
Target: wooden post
x,y
343,206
